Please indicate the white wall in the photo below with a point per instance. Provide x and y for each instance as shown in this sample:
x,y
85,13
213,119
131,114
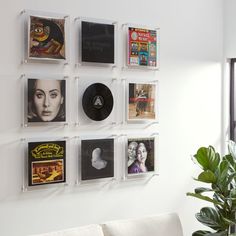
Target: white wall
x,y
229,29
189,105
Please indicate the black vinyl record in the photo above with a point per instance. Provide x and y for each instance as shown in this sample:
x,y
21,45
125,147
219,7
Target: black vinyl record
x,y
97,102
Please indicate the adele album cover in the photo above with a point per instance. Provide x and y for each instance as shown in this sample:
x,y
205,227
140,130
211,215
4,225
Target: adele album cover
x,y
97,159
46,38
46,100
140,155
142,47
141,104
98,42
46,162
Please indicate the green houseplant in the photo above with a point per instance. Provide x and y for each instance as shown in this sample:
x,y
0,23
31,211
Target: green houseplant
x,y
219,173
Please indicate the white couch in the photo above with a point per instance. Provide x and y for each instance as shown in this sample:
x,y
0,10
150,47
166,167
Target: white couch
x,y
160,225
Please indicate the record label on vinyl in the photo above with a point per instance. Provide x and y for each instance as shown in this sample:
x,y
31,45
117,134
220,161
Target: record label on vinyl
x,y
97,102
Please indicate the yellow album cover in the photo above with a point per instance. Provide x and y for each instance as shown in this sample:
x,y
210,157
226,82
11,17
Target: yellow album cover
x,y
46,162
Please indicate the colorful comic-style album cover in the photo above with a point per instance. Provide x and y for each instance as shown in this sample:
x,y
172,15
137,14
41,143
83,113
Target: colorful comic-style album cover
x,y
46,100
97,159
46,38
46,162
142,47
140,155
141,104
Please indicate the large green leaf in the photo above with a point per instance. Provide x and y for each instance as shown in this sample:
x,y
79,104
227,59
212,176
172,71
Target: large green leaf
x,y
210,217
224,167
214,158
229,158
219,197
200,233
222,176
207,158
232,148
233,206
205,198
220,233
222,211
208,233
231,199
201,157
229,222
214,162
230,178
233,193
202,190
207,176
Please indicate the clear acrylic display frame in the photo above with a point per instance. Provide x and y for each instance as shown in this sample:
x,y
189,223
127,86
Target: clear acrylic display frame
x,y
82,83
25,184
26,14
126,43
79,61
126,119
137,176
79,181
25,122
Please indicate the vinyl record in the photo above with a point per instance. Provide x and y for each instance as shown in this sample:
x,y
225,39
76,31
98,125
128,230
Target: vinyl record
x,y
97,101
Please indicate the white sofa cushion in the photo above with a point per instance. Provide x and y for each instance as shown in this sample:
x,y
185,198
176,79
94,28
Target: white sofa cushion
x,y
88,230
162,225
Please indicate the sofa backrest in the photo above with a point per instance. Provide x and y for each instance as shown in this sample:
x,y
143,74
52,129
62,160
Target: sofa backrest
x,y
88,230
161,225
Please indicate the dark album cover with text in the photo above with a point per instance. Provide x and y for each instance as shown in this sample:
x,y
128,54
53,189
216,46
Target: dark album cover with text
x,y
97,159
46,162
97,42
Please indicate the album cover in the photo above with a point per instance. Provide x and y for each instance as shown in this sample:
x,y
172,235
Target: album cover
x,y
97,101
46,100
46,38
142,47
141,104
46,162
140,155
97,159
98,42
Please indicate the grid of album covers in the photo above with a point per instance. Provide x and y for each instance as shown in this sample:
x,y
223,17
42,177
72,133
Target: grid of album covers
x,y
45,99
